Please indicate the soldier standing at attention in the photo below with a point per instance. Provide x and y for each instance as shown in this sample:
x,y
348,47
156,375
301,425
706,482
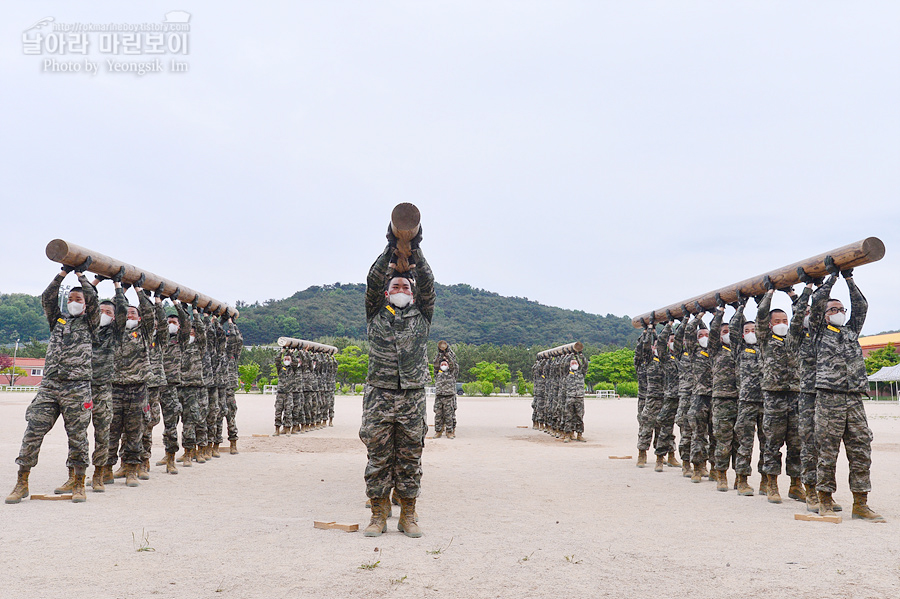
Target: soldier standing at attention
x,y
284,395
446,369
399,308
841,384
66,386
655,391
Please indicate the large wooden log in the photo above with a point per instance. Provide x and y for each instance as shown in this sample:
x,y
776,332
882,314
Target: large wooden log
x,y
568,348
443,345
405,220
292,343
70,254
856,254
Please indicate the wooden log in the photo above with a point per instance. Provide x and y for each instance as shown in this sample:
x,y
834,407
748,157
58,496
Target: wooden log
x,y
335,526
70,254
856,254
568,348
292,343
405,220
443,345
620,457
64,497
817,518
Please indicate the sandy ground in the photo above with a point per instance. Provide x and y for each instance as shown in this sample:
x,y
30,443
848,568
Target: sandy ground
x,y
507,512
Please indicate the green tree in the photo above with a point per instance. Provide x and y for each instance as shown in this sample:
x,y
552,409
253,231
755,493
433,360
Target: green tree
x,y
612,367
353,365
523,387
248,373
491,372
878,359
11,374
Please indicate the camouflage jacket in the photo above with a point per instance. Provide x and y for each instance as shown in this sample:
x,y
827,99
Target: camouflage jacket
x,y
445,382
656,374
70,349
640,362
222,355
103,363
747,360
288,375
160,338
779,354
209,367
685,374
725,379
172,349
701,364
234,345
574,381
670,364
806,351
398,336
839,360
132,355
192,354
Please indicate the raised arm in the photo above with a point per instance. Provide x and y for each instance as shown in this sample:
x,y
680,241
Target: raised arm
x,y
715,328
736,327
763,317
424,285
375,283
121,309
145,307
819,304
50,299
91,303
799,307
859,307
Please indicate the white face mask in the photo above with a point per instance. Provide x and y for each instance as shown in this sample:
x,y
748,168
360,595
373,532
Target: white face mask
x,y
837,319
105,319
780,329
574,365
401,300
191,340
287,362
75,308
131,324
806,321
750,338
173,328
444,368
703,341
671,346
726,339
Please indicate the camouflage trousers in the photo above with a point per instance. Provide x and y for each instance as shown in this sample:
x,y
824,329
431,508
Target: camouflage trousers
x,y
170,407
284,408
101,417
331,404
154,395
666,426
393,430
212,415
229,415
72,400
806,426
573,421
684,427
190,414
724,418
700,425
647,420
297,416
309,406
202,414
780,427
444,413
129,407
749,423
842,417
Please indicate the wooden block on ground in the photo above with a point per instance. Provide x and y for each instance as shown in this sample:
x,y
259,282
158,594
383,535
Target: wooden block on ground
x,y
255,435
63,497
818,518
335,526
523,427
620,457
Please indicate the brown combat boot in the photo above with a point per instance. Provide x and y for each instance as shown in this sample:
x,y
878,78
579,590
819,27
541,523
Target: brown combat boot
x,y
795,491
566,437
120,473
21,489
197,456
452,435
713,473
580,439
381,507
437,434
131,475
67,486
407,523
704,472
826,506
660,463
812,499
763,483
277,431
642,458
673,462
170,464
162,462
97,480
185,458
772,490
742,487
233,448
78,494
143,470
331,422
722,481
108,478
687,469
861,510
286,430
214,451
697,474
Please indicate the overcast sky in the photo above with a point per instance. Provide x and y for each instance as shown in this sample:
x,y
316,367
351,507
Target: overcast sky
x,y
612,157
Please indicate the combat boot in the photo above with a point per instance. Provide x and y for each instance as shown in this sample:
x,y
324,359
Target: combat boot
x,y
66,487
642,458
742,487
697,475
763,484
131,475
580,439
108,478
277,431
170,464
772,491
722,481
331,422
97,480
197,456
673,461
407,524
713,473
795,491
566,437
143,470
437,434
233,449
286,430
185,458
660,463
452,434
120,473
826,505
214,452
78,494
861,510
686,469
162,462
812,499
534,425
21,489
704,473
381,507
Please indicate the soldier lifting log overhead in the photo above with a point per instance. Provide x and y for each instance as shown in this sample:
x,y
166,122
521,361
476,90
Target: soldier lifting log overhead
x,y
558,405
284,395
446,369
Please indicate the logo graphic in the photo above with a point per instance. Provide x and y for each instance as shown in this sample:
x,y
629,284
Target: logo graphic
x,y
40,24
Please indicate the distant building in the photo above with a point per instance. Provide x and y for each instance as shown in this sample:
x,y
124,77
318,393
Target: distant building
x,y
34,369
875,342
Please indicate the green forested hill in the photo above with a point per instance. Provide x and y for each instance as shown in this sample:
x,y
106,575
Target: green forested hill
x,y
462,314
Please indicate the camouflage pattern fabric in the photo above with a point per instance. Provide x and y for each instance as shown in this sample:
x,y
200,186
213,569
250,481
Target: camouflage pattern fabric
x,y
70,349
103,365
724,418
780,428
841,417
806,427
445,382
652,407
573,411
699,416
152,417
839,361
686,430
129,404
202,415
665,421
445,413
170,407
132,355
724,371
284,406
55,397
212,413
192,355
230,416
160,338
190,415
779,354
172,349
101,418
749,423
297,415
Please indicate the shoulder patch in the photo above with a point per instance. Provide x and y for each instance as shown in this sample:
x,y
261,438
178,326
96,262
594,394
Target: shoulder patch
x,y
750,350
774,336
391,310
830,328
61,320
703,353
725,347
655,359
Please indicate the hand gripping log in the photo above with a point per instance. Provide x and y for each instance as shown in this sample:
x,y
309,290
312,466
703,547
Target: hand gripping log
x,y
292,343
568,348
856,254
73,255
405,220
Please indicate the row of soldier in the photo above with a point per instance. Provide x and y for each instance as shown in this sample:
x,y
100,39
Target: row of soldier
x,y
120,367
446,370
558,402
795,381
304,400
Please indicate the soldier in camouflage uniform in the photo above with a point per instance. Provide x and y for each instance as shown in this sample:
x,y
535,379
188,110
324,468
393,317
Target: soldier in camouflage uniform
x,y
309,390
780,385
399,308
332,380
212,382
724,396
666,417
156,382
750,399
178,336
536,394
234,345
193,387
214,430
284,395
446,369
841,385
655,390
298,416
685,390
66,386
696,342
640,368
573,410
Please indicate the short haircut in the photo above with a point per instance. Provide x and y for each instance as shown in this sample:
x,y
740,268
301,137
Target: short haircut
x,y
777,311
78,289
107,303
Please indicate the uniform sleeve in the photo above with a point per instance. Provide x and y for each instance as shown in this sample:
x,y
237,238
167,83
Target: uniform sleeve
x,y
763,317
799,307
690,335
145,307
161,324
664,335
121,310
199,330
736,326
375,283
715,329
184,324
424,285
819,304
50,300
91,303
859,307
679,336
